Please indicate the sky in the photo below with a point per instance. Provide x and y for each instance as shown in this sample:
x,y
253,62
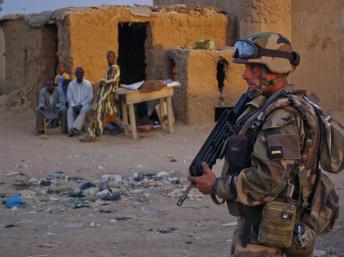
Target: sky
x,y
33,6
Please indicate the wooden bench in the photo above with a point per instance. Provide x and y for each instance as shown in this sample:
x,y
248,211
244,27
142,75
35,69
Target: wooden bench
x,y
131,97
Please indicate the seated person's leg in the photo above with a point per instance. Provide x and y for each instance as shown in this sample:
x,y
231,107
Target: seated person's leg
x,y
63,120
70,119
39,122
79,121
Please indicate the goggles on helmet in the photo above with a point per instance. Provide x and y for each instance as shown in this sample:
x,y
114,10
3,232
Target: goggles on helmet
x,y
246,49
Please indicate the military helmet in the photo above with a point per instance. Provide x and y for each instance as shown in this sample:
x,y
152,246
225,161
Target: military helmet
x,y
268,48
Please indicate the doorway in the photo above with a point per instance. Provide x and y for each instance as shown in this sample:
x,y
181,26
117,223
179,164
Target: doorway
x,y
131,51
131,58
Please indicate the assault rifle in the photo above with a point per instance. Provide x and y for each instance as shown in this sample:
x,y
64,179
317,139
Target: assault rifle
x,y
212,148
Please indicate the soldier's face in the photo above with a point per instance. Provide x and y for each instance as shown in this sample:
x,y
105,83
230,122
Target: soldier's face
x,y
253,75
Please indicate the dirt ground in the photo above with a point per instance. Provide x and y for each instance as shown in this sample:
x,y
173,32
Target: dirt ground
x,y
149,225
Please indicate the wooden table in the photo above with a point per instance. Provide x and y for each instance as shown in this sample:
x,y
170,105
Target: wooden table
x,y
131,97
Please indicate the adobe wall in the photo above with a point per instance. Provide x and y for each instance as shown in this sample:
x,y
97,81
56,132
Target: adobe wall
x,y
92,32
26,63
195,100
2,61
318,35
64,45
265,15
253,15
171,30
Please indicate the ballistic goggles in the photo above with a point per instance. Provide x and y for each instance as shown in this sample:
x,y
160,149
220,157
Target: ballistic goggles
x,y
245,49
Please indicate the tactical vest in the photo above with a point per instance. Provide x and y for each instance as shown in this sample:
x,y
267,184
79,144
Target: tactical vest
x,y
318,201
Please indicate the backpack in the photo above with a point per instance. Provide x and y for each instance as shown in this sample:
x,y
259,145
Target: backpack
x,y
319,200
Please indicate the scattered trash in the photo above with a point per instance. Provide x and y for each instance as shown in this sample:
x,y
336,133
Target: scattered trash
x,y
87,185
34,181
174,180
55,175
162,173
230,224
108,210
76,194
123,218
113,196
111,177
14,201
103,193
102,186
22,183
45,182
80,203
27,194
166,230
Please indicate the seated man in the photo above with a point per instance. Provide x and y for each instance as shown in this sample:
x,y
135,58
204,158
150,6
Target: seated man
x,y
79,96
51,105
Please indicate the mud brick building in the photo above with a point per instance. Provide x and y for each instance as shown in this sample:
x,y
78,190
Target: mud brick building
x,y
33,45
316,29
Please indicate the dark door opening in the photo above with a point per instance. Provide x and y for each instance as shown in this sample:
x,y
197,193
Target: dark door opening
x,y
131,51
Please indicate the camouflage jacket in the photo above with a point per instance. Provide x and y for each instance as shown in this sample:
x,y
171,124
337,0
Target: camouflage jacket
x,y
279,150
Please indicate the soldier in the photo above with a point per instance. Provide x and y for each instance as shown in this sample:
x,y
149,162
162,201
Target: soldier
x,y
263,164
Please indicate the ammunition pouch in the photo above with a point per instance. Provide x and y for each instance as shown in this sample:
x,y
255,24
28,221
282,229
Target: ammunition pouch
x,y
277,224
239,153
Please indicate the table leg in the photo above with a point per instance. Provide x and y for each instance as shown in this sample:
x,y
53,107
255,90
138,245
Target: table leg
x,y
170,114
125,116
132,121
162,113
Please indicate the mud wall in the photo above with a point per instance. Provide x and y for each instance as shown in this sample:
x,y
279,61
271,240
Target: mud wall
x,y
265,15
195,100
171,30
318,35
64,45
93,32
253,15
2,61
29,54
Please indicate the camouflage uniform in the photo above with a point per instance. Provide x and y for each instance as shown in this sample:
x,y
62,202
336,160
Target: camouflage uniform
x,y
280,150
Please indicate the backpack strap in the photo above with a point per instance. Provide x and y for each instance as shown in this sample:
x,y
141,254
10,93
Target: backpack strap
x,y
289,98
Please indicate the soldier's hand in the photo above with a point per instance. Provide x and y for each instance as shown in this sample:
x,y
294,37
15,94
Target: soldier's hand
x,y
205,182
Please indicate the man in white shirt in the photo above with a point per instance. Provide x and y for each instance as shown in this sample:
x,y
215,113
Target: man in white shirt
x,y
79,97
